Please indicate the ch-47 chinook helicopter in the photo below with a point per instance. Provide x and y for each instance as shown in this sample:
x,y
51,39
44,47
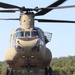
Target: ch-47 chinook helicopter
x,y
28,43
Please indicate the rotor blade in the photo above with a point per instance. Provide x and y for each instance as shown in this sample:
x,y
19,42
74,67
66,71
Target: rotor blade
x,y
60,7
48,8
10,19
54,21
43,12
9,11
5,5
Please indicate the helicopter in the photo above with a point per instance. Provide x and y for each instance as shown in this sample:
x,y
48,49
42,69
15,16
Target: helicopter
x,y
28,43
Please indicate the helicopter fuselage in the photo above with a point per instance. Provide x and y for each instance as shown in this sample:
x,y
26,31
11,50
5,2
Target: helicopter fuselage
x,y
28,46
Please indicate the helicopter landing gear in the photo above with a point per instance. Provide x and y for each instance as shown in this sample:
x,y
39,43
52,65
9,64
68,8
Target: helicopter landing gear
x,y
9,71
48,70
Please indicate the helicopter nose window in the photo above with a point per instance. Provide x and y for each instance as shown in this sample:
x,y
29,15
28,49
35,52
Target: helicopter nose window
x,y
35,34
19,34
27,33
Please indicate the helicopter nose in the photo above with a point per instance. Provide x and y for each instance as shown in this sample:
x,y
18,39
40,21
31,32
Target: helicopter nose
x,y
27,44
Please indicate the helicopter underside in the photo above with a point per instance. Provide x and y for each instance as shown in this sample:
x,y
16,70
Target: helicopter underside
x,y
24,60
24,64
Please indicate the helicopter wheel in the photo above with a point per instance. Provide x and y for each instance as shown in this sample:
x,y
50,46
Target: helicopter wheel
x,y
48,70
9,71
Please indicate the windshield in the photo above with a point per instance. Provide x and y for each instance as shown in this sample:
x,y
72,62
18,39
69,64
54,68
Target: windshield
x,y
19,34
27,33
22,34
34,34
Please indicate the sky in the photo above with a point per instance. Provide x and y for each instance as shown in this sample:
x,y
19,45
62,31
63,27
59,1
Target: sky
x,y
63,34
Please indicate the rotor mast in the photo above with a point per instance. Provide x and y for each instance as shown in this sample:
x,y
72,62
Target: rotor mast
x,y
27,20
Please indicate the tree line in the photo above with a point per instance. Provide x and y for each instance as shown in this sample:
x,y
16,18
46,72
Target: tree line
x,y
62,65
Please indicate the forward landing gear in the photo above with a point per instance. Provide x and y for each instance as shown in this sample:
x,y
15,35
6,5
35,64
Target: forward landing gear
x,y
9,71
48,71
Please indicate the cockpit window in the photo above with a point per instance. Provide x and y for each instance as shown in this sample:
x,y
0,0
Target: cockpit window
x,y
22,33
27,33
19,34
35,34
